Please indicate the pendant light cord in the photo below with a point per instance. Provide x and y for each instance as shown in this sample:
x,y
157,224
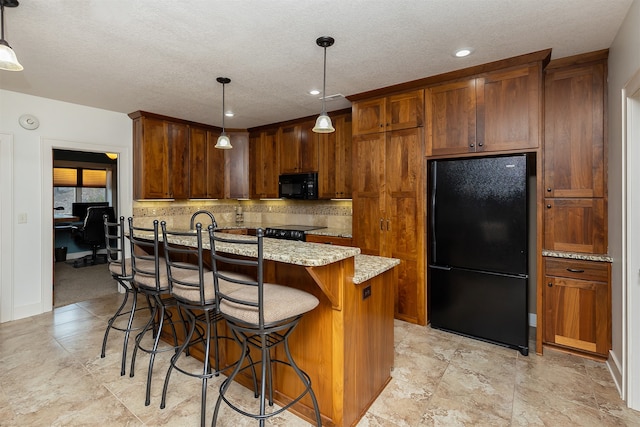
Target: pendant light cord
x,y
223,85
324,82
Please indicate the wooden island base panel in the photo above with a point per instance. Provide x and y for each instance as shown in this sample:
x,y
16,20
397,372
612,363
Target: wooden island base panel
x,y
345,344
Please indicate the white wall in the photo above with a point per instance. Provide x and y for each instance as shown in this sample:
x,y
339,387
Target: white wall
x,y
29,254
624,61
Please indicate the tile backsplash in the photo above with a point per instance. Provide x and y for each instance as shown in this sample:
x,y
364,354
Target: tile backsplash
x,y
177,214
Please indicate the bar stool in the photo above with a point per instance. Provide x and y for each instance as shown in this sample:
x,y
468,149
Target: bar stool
x,y
191,284
149,273
260,315
120,268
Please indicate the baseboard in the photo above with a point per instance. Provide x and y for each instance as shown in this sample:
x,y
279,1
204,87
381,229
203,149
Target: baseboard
x,y
615,369
533,320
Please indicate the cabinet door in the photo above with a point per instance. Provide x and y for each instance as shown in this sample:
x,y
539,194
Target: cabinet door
x,y
342,160
575,225
198,162
405,110
266,167
178,137
236,179
451,118
151,159
309,143
215,167
368,192
577,311
404,222
508,109
289,146
369,116
574,132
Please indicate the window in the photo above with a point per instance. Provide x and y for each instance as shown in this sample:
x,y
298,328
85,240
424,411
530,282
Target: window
x,y
77,184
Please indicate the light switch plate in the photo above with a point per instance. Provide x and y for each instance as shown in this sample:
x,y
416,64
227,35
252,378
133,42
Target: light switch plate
x,y
22,218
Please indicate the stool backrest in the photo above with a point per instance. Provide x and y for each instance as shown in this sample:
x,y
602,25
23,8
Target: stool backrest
x,y
114,243
145,253
185,265
222,246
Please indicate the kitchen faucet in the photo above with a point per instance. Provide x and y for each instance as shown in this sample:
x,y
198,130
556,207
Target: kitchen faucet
x,y
202,211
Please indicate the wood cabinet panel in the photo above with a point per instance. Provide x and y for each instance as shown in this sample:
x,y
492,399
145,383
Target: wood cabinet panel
x,y
451,118
574,132
329,240
236,179
577,310
498,111
388,210
575,225
265,165
178,139
207,165
151,159
290,148
508,110
401,111
334,160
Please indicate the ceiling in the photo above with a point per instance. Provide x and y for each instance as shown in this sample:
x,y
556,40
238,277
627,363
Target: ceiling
x,y
164,56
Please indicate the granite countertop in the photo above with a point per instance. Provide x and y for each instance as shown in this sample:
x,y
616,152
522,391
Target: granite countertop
x,y
578,256
333,232
287,251
369,266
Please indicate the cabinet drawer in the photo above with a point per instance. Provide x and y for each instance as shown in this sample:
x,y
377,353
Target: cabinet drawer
x,y
330,240
576,269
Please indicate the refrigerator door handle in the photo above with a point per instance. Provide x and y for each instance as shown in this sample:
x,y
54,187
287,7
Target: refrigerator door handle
x,y
440,267
434,168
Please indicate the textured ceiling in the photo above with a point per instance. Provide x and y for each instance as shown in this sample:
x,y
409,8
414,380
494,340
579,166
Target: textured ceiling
x,y
164,56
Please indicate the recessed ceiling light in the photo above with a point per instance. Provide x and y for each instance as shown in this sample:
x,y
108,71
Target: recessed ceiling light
x,y
314,92
229,114
461,53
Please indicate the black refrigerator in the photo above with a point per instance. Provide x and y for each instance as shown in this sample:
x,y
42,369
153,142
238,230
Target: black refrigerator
x,y
478,266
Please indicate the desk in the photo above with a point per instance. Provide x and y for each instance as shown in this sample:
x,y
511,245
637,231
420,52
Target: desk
x,y
57,218
345,344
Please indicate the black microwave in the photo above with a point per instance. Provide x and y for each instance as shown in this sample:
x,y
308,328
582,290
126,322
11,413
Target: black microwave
x,y
302,186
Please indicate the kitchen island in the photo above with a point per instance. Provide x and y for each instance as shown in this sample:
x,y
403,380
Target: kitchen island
x,y
346,343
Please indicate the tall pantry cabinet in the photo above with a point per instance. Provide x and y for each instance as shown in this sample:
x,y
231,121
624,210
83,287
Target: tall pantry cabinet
x,y
388,192
576,292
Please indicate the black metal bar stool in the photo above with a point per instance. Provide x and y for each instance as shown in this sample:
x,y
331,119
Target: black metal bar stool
x,y
150,276
260,315
191,284
120,268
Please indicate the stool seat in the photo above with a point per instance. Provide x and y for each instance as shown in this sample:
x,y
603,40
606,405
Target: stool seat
x,y
280,303
192,294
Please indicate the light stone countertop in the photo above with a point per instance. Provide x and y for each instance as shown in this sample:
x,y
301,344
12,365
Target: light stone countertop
x,y
333,232
326,231
369,266
578,256
300,253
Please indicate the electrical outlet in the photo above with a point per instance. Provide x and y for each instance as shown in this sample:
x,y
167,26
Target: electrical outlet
x,y
22,218
366,292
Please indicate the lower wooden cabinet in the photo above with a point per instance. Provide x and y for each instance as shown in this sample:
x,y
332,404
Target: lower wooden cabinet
x,y
577,305
329,240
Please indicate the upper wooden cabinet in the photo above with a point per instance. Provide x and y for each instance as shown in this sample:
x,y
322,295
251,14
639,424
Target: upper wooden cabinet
x,y
574,131
298,149
236,167
161,158
334,160
264,164
206,165
496,111
394,112
575,225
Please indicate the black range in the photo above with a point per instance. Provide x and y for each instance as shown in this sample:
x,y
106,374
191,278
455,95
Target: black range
x,y
290,232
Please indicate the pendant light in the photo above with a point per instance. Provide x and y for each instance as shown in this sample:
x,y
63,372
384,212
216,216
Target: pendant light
x,y
8,59
323,122
223,140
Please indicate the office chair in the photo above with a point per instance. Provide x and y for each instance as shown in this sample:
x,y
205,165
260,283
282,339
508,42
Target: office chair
x,y
91,234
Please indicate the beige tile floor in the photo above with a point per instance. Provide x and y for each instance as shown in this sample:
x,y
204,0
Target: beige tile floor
x,y
51,374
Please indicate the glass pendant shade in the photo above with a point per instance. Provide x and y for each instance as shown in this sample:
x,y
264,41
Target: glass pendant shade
x,y
323,124
8,59
223,142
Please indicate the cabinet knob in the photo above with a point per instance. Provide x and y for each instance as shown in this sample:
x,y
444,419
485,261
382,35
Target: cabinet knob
x,y
549,190
472,145
548,206
480,144
549,284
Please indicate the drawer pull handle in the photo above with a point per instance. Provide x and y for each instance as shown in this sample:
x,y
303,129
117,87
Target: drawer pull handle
x,y
575,270
549,284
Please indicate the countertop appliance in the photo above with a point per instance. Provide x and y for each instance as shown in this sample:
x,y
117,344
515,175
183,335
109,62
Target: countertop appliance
x,y
290,232
303,186
478,266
